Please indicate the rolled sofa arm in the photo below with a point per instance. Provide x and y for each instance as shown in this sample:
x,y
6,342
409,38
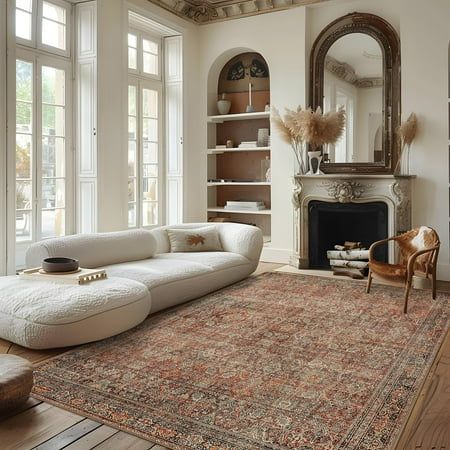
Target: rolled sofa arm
x,y
246,240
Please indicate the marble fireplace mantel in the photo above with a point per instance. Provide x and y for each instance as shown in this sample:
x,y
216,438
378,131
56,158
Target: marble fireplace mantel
x,y
395,191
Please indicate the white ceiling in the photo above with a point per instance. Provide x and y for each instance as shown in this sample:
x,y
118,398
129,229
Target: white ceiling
x,y
360,51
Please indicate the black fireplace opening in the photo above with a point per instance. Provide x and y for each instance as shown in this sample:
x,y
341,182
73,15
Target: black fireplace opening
x,y
334,223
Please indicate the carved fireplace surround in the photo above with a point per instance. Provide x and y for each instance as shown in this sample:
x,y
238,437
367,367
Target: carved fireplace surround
x,y
395,191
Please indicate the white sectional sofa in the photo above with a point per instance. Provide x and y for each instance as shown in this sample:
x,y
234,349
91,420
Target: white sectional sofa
x,y
143,277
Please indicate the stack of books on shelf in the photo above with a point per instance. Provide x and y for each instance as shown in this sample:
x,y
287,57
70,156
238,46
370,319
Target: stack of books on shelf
x,y
350,259
245,205
248,144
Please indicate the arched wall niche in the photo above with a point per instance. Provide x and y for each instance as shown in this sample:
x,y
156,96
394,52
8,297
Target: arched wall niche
x,y
215,70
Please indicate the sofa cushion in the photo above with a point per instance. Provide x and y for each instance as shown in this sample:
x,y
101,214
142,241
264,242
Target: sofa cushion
x,y
171,267
44,314
203,239
95,250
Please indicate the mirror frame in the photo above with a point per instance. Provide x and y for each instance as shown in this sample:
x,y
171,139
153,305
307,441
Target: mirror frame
x,y
388,39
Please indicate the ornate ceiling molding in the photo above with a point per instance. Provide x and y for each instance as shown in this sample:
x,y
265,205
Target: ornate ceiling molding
x,y
347,73
207,11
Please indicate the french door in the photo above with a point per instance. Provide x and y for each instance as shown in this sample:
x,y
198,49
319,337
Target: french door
x,y
144,153
43,154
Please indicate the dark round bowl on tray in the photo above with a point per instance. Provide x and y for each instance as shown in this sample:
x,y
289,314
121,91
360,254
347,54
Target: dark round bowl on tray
x,y
59,264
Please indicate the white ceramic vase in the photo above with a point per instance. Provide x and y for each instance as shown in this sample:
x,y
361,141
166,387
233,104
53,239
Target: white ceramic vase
x,y
315,159
223,106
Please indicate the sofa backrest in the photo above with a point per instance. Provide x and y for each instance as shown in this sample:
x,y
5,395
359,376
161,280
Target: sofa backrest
x,y
246,240
95,250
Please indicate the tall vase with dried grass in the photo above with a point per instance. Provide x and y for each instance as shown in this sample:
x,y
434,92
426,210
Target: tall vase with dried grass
x,y
307,127
406,133
292,134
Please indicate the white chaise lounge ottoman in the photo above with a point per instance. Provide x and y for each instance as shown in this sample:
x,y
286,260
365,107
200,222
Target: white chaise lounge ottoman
x,y
43,314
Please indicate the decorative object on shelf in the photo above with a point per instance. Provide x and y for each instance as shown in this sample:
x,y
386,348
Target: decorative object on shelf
x,y
248,144
223,105
263,137
314,163
406,132
245,205
267,107
249,108
230,143
265,169
304,126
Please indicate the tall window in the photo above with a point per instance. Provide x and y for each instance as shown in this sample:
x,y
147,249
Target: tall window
x,y
145,127
43,123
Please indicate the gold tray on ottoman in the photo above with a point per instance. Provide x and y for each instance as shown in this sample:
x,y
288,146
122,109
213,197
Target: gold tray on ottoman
x,y
79,276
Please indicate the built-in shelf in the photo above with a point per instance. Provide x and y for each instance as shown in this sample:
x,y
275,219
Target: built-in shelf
x,y
242,116
221,209
214,151
239,183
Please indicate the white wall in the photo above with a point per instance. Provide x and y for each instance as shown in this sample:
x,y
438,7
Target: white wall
x,y
425,37
280,39
112,103
284,39
3,147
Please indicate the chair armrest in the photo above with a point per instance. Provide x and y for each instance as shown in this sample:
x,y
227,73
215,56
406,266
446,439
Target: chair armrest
x,y
413,257
377,243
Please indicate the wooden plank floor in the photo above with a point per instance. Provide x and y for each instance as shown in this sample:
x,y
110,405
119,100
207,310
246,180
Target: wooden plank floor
x,y
39,425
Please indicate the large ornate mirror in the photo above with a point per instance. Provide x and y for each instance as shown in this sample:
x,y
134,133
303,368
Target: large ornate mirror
x,y
355,64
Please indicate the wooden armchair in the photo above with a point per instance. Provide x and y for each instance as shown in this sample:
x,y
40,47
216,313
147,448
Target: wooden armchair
x,y
419,250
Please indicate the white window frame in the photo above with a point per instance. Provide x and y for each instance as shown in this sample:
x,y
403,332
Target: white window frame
x,y
140,54
141,84
36,28
38,62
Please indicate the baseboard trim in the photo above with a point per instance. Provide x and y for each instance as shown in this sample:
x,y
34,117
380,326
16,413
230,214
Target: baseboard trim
x,y
276,255
443,272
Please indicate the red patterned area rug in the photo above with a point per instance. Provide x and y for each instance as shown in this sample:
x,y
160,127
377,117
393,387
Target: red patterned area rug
x,y
278,361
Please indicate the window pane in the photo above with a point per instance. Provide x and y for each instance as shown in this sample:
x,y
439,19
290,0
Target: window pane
x,y
150,170
53,34
24,117
132,214
131,158
132,100
53,157
53,86
132,190
150,153
54,12
150,63
53,120
24,4
23,226
149,213
53,223
132,58
53,193
131,128
24,85
132,40
23,156
23,194
149,46
149,189
150,129
23,25
150,103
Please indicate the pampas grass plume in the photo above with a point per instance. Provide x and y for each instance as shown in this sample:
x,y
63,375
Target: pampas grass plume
x,y
408,130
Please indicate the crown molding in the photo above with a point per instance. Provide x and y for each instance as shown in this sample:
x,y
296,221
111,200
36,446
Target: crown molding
x,y
208,11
